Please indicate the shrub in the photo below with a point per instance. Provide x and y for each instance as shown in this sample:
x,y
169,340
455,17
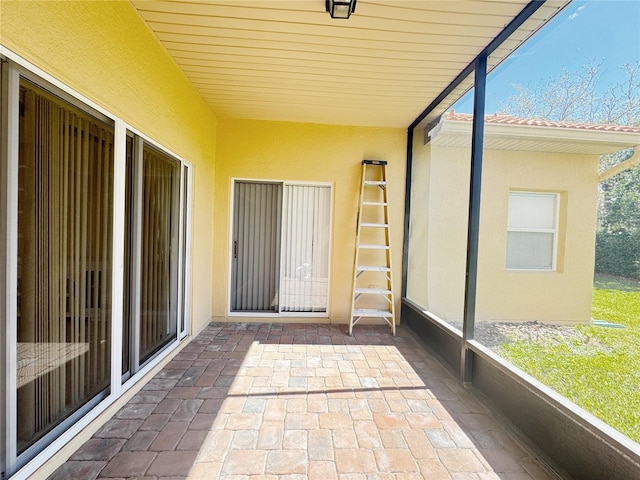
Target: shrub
x,y
618,253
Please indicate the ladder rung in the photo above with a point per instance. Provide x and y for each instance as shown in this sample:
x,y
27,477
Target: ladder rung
x,y
381,291
375,225
369,312
372,268
377,183
375,247
378,163
375,204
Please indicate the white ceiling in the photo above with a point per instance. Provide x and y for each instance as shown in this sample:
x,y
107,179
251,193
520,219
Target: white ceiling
x,y
288,60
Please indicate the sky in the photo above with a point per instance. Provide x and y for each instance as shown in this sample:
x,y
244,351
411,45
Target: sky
x,y
591,31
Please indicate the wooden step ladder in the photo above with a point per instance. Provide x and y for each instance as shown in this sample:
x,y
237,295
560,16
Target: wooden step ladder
x,y
372,280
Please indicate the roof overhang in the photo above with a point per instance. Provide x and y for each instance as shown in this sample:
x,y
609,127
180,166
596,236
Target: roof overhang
x,y
534,138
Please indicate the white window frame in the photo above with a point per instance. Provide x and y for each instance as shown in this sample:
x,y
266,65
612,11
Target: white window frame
x,y
184,261
13,68
553,231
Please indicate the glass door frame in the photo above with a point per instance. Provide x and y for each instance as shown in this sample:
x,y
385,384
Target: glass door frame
x,y
183,263
14,69
279,313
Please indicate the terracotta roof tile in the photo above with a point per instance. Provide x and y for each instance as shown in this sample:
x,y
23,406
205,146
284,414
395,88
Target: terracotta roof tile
x,y
511,120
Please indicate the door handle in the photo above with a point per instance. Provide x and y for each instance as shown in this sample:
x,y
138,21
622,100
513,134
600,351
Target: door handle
x,y
235,249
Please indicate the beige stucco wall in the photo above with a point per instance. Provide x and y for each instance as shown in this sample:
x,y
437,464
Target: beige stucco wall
x,y
104,51
314,153
447,240
418,261
562,296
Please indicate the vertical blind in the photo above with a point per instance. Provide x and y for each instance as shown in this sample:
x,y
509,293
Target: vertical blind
x,y
64,261
305,248
256,246
159,252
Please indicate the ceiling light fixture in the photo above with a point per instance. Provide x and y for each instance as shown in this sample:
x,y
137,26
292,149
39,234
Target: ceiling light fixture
x,y
340,8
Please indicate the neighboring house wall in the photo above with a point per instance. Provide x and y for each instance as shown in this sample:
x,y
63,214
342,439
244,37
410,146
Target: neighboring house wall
x,y
560,296
266,150
88,47
520,155
418,261
447,239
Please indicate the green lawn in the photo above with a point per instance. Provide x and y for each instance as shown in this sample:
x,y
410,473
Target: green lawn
x,y
600,372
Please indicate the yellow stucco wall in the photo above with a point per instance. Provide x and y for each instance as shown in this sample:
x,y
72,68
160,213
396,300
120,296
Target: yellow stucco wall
x,y
562,296
313,153
103,50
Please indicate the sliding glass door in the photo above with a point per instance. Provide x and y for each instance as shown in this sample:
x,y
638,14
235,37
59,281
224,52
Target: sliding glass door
x,y
281,245
155,275
159,252
94,253
65,217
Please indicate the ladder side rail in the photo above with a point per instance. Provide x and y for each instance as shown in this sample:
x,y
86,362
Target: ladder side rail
x,y
391,298
357,249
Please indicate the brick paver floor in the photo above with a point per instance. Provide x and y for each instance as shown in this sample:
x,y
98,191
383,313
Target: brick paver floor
x,y
267,401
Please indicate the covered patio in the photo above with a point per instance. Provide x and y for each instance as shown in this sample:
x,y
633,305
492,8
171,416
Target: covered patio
x,y
301,401
193,101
